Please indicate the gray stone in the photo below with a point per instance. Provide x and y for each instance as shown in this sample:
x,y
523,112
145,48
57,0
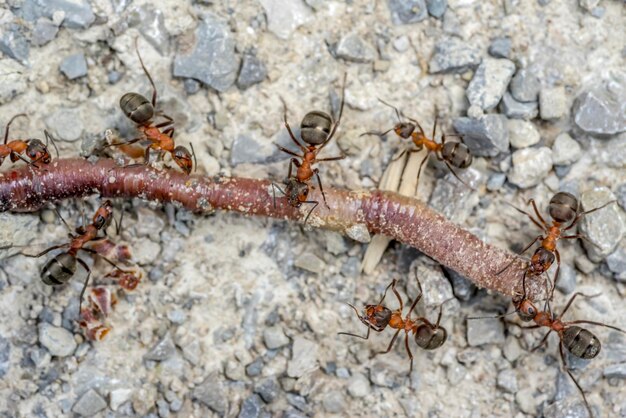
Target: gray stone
x,y
251,407
454,199
211,59
436,8
352,48
177,316
530,166
5,356
518,110
601,110
78,13
249,149
66,124
162,350
567,279
500,47
615,371
453,56
303,357
522,134
255,368
284,17
565,150
455,373
59,341
437,289
253,71
211,392
620,192
89,404
274,337
487,135
603,228
12,80
117,397
334,402
407,11
310,262
191,86
381,374
485,331
527,400
616,261
613,153
359,386
44,31
402,43
490,82
566,408
507,380
512,349
74,66
463,288
268,389
151,23
525,86
13,43
552,103
496,181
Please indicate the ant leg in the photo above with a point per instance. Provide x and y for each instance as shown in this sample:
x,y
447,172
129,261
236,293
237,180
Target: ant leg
x,y
395,292
154,91
408,350
556,274
393,107
50,138
542,342
393,283
314,203
193,152
580,215
417,299
6,130
456,175
293,162
562,352
283,149
583,237
532,202
130,142
571,300
293,137
319,181
419,172
596,323
274,187
377,133
367,336
435,130
46,251
82,292
393,340
64,222
340,157
92,251
523,212
522,252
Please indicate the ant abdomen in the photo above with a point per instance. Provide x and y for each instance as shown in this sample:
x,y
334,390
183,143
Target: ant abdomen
x,y
315,127
430,338
137,108
59,270
457,154
581,343
563,207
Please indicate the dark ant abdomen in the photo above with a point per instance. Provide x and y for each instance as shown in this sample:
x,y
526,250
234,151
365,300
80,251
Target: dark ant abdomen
x,y
581,343
59,270
137,108
457,154
315,127
563,207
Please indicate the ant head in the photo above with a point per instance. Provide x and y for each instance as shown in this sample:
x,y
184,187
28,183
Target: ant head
x,y
563,207
183,158
376,316
38,152
541,261
525,309
137,108
315,127
103,215
404,129
297,192
429,336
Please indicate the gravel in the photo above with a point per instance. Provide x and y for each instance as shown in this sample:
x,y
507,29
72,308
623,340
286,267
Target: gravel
x,y
89,404
525,86
603,228
530,166
275,337
59,341
485,331
436,8
507,381
353,48
162,350
359,386
522,134
487,135
283,18
45,31
407,11
518,110
253,71
500,48
552,103
490,82
268,389
74,66
251,407
453,56
13,42
565,150
601,110
212,393
303,358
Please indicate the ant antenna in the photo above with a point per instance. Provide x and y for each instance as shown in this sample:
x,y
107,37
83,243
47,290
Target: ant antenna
x,y
195,162
393,107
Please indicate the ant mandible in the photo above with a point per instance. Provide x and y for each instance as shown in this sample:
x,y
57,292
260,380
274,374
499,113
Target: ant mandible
x,y
141,111
577,340
36,150
452,153
316,130
60,269
563,209
377,317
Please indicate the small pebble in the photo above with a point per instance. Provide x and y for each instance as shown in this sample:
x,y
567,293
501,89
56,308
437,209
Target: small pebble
x,y
507,380
66,124
284,17
359,386
274,337
552,103
253,71
485,331
490,82
211,392
89,404
500,48
268,389
59,341
13,43
407,11
436,8
255,368
251,407
522,134
487,135
616,261
530,166
191,86
567,279
518,110
353,48
334,402
162,350
453,56
601,110
615,371
496,181
44,31
603,228
525,86
565,150
303,357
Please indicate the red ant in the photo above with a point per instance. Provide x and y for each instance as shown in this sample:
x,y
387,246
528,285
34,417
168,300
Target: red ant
x,y
316,130
578,341
563,209
453,154
60,269
141,111
36,150
377,317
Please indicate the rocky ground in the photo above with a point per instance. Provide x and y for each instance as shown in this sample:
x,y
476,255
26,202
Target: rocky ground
x,y
239,316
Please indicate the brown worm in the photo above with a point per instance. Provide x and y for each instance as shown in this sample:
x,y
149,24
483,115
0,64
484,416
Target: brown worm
x,y
354,213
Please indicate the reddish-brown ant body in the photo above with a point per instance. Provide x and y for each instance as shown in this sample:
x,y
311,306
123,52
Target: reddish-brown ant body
x,y
452,153
563,209
377,317
577,340
141,111
316,130
33,148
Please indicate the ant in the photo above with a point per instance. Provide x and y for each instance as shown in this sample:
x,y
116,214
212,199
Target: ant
x,y
452,153
60,269
141,111
377,317
563,209
316,130
577,340
36,150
